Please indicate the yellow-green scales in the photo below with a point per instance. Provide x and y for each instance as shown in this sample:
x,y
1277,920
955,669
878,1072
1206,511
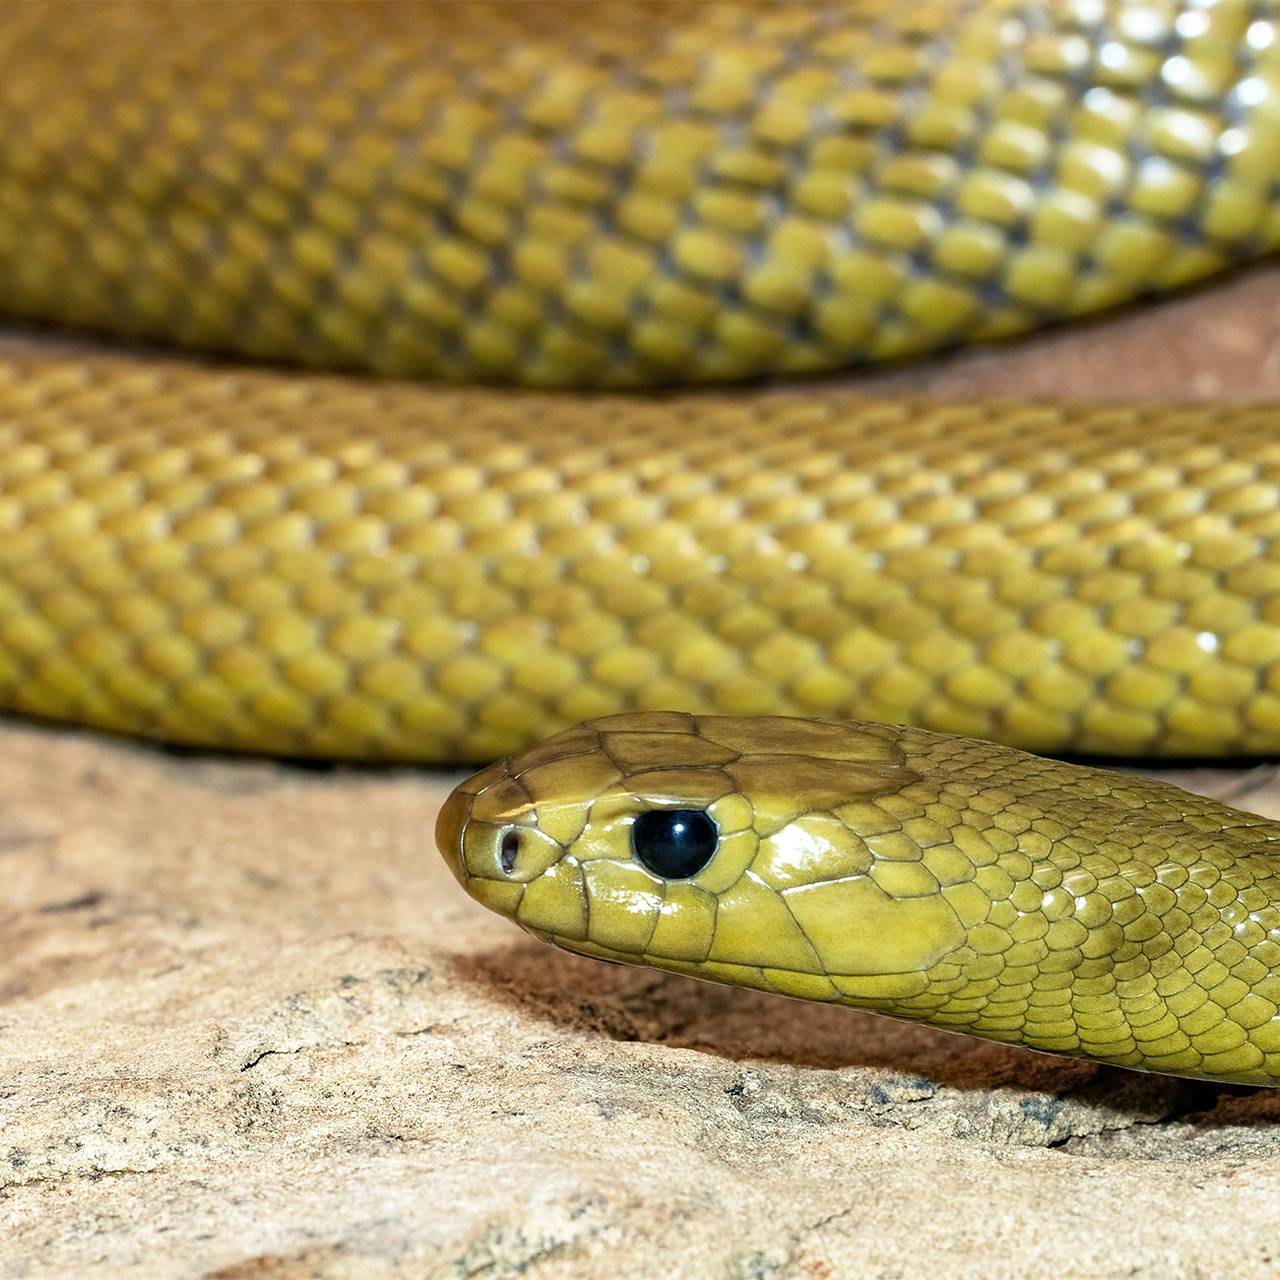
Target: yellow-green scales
x,y
630,195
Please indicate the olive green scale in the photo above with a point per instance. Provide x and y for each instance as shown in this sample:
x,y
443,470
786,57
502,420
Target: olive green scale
x,y
617,194
626,193
335,567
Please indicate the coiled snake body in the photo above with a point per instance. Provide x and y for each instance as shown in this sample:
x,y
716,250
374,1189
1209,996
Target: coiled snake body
x,y
616,196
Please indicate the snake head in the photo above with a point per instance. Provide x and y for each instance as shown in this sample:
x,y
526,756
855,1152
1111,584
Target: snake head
x,y
722,847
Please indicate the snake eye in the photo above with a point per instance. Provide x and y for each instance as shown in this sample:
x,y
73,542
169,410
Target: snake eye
x,y
674,843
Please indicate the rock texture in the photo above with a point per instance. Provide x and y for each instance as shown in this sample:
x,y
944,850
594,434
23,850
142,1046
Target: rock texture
x,y
250,1027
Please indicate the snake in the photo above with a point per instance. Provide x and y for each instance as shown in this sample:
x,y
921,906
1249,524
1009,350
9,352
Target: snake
x,y
418,443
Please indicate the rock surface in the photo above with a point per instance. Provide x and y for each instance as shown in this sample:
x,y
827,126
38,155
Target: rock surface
x,y
249,1026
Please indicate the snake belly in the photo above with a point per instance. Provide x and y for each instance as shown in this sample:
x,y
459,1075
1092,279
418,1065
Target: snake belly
x,y
959,883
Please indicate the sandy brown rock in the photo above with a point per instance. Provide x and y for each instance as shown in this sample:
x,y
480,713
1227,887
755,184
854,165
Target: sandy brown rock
x,y
249,1027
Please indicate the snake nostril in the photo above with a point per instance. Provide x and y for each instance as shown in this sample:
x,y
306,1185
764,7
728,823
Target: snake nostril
x,y
510,848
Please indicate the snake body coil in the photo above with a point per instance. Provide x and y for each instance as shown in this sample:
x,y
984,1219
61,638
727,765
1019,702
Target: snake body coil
x,y
585,194
631,195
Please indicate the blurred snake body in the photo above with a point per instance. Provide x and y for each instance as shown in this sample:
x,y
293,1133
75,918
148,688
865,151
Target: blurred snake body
x,y
616,198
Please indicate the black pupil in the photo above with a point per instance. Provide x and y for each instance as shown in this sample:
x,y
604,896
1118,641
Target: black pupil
x,y
674,843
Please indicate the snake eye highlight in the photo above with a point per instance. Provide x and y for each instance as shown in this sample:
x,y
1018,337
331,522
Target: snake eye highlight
x,y
674,843
509,851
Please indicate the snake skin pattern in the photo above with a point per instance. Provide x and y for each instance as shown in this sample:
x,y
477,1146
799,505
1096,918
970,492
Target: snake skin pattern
x,y
633,195
345,568
608,194
584,194
930,877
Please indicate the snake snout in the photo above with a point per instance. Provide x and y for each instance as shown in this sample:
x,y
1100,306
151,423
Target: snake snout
x,y
449,824
488,833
